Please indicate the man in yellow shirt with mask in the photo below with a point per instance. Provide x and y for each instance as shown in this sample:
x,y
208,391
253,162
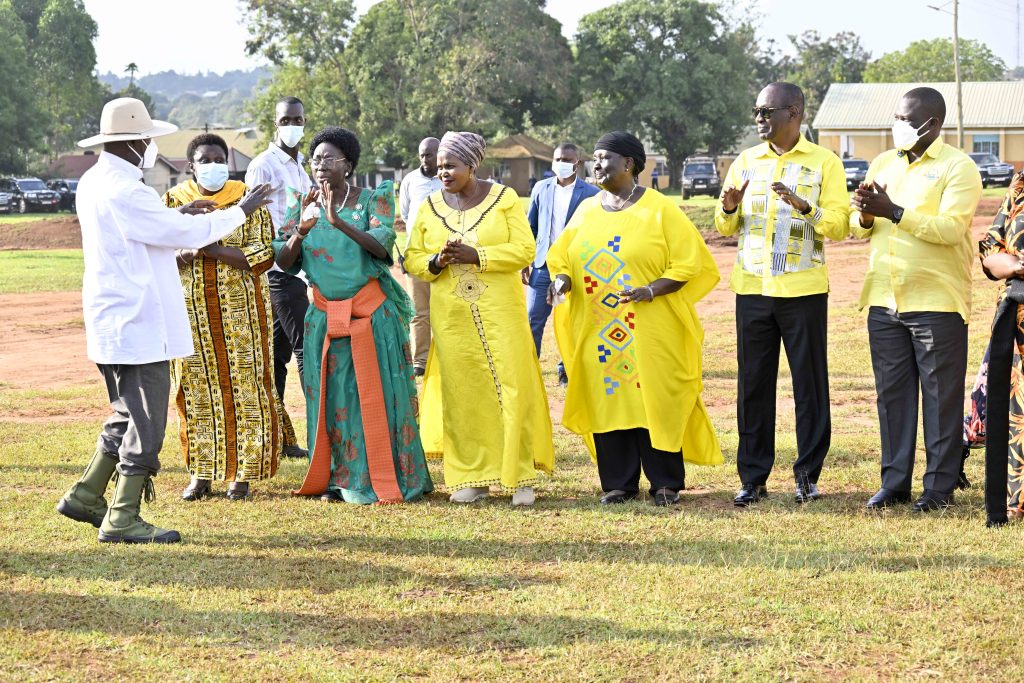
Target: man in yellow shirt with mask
x,y
783,197
916,205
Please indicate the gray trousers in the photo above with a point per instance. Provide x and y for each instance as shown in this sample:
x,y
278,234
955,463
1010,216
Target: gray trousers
x,y
135,432
926,350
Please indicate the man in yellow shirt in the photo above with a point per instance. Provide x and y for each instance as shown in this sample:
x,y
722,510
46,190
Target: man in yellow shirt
x,y
783,197
916,205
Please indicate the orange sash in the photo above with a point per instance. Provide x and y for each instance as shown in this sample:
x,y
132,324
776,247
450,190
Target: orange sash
x,y
351,318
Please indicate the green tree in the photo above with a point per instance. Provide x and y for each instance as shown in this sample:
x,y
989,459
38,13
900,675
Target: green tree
x,y
130,70
931,61
305,41
820,62
63,61
421,67
21,122
673,69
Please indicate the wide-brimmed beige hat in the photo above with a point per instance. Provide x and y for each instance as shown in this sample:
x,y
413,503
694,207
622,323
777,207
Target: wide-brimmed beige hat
x,y
126,118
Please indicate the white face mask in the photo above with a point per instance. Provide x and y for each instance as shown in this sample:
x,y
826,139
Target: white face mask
x,y
290,135
212,176
905,136
148,158
563,169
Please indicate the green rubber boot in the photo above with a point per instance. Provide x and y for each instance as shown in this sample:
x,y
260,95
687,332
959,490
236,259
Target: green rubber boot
x,y
123,524
84,502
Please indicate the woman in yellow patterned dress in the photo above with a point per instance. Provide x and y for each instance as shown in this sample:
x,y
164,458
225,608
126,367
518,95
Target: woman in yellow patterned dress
x,y
227,405
1002,254
484,406
632,266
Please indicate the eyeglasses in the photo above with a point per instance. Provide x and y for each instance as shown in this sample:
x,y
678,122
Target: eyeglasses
x,y
326,163
765,112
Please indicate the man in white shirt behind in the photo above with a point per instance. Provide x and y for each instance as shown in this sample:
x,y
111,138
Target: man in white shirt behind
x,y
135,319
552,203
416,187
280,166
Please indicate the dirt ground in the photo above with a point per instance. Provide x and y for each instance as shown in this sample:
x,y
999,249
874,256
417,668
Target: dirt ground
x,y
43,348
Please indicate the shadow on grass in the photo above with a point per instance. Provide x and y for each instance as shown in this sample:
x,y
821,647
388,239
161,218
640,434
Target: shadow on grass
x,y
462,630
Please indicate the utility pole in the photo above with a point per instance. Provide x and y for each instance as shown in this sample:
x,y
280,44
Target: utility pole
x,y
956,66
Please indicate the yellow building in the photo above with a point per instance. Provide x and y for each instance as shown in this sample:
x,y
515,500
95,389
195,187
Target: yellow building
x,y
854,119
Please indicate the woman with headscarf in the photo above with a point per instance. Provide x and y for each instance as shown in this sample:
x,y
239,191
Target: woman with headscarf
x,y
1002,254
357,370
484,406
631,266
227,404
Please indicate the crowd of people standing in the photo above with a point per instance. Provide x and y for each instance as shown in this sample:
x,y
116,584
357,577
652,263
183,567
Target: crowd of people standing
x,y
212,291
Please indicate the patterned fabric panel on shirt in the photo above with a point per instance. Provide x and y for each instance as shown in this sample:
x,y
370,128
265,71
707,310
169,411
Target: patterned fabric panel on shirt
x,y
795,245
604,276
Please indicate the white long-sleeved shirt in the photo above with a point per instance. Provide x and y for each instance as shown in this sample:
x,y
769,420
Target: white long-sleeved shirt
x,y
131,293
275,166
414,190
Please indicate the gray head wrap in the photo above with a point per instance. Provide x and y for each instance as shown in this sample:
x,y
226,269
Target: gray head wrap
x,y
466,147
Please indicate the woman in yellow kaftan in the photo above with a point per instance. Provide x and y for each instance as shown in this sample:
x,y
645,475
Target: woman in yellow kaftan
x,y
483,406
633,266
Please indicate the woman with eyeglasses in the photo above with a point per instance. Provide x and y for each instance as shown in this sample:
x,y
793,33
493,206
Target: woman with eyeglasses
x,y
361,403
631,266
227,404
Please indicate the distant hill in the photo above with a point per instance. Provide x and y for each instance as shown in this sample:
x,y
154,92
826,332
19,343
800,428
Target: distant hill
x,y
194,100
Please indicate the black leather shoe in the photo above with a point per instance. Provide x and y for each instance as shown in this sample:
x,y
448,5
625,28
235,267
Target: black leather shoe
x,y
197,489
616,496
332,497
663,497
294,451
962,482
750,493
238,490
563,379
887,497
419,372
932,500
806,490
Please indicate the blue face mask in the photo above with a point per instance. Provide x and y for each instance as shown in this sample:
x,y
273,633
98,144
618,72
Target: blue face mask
x,y
211,176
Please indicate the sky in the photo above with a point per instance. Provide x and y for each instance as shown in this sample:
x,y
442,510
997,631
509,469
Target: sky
x,y
170,41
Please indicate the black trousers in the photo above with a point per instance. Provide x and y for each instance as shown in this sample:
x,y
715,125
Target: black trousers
x,y
622,453
801,324
926,350
289,301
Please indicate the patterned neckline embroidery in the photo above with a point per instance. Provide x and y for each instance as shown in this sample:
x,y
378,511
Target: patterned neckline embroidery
x,y
463,233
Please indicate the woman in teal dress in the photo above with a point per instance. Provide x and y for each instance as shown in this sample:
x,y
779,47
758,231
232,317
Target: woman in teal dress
x,y
361,404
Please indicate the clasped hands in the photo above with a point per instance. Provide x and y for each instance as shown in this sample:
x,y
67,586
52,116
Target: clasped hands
x,y
457,253
872,200
733,196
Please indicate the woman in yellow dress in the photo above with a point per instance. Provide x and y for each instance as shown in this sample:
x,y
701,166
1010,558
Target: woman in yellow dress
x,y
631,266
227,403
484,407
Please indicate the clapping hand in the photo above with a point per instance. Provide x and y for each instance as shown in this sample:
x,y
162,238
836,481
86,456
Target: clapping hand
x,y
787,195
732,197
872,200
458,253
198,206
328,205
306,223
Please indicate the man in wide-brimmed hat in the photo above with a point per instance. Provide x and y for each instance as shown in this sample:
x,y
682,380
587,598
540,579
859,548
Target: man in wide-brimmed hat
x,y
135,319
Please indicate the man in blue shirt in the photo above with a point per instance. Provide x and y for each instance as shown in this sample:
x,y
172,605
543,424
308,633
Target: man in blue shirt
x,y
552,203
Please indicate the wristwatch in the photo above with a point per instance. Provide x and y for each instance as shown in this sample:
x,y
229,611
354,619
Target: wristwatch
x,y
897,214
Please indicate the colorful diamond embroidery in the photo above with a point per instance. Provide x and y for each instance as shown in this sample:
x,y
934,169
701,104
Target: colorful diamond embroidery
x,y
610,300
604,266
603,353
610,385
617,334
614,243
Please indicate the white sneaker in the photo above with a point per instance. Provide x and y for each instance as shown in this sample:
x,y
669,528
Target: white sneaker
x,y
469,495
523,497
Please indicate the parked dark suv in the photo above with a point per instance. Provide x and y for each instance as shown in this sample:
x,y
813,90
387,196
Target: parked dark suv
x,y
993,171
6,202
67,189
700,177
30,194
856,171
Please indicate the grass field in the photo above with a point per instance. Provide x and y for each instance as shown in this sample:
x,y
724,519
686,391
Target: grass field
x,y
279,588
51,270
14,218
